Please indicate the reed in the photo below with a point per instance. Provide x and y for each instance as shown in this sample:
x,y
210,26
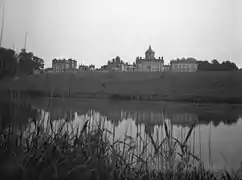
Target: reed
x,y
44,151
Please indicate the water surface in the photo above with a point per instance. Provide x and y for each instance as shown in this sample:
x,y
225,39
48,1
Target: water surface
x,y
216,137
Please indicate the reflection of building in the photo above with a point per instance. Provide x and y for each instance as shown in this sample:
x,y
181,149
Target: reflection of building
x,y
63,65
58,114
145,117
113,115
16,113
149,63
177,117
184,119
184,65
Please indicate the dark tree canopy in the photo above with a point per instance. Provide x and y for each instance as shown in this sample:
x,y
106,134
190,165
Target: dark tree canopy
x,y
8,63
39,63
216,66
27,63
214,61
24,63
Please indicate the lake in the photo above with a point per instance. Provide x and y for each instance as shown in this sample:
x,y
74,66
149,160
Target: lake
x,y
215,138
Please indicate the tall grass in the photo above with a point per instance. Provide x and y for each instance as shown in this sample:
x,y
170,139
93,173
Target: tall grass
x,y
44,151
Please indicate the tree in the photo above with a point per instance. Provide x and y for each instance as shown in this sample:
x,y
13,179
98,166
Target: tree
x,y
230,65
216,66
8,63
39,63
214,61
27,63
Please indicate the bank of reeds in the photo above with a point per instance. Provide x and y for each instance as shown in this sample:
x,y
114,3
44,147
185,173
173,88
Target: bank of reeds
x,y
49,153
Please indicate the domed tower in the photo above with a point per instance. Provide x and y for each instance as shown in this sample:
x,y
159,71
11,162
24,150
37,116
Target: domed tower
x,y
149,54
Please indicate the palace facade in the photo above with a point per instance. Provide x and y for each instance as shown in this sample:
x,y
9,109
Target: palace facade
x,y
63,65
184,65
149,63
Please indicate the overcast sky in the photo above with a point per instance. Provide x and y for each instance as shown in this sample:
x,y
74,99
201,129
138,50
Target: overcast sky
x,y
95,31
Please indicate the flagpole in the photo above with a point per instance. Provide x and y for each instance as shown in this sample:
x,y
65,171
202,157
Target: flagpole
x,y
2,28
25,40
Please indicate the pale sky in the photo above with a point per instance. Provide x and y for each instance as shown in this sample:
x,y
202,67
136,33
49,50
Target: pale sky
x,y
95,31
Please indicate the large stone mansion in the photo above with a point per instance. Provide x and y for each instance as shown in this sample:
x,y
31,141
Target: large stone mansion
x,y
147,64
184,65
63,65
151,64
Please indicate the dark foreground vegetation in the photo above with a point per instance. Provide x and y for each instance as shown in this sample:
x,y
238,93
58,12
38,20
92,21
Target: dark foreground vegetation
x,y
48,153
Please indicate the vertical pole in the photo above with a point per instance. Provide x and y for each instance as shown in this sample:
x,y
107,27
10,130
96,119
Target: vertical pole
x,y
2,28
200,146
209,146
194,136
25,40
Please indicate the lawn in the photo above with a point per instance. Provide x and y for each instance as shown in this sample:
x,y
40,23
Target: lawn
x,y
198,86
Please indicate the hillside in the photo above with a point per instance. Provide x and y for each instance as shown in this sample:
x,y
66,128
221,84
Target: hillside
x,y
199,86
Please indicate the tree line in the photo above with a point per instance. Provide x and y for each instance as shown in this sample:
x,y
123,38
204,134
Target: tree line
x,y
216,66
14,64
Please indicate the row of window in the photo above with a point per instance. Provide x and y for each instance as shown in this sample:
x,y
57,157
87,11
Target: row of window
x,y
59,70
184,66
184,70
155,69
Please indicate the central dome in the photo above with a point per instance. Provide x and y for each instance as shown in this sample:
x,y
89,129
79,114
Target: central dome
x,y
149,51
150,54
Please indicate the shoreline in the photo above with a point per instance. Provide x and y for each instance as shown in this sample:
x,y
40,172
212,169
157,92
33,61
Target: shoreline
x,y
133,98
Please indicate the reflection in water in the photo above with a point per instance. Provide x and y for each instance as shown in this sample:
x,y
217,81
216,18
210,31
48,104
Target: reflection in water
x,y
214,132
16,114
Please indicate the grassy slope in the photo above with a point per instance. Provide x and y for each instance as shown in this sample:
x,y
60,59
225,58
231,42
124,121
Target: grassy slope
x,y
170,86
